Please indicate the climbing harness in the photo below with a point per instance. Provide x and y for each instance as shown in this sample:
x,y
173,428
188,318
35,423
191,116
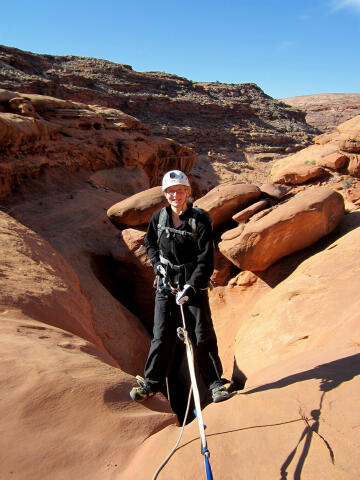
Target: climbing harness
x,y
183,335
169,230
164,282
191,221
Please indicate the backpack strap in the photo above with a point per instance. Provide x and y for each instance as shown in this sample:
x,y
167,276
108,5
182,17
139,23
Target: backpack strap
x,y
205,213
169,230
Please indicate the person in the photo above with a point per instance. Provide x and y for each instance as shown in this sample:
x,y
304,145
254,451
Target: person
x,y
179,245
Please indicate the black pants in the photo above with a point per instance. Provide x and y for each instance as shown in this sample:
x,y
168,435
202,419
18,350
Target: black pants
x,y
167,318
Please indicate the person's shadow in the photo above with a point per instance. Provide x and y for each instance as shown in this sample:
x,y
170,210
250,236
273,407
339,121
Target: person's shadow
x,y
306,436
331,374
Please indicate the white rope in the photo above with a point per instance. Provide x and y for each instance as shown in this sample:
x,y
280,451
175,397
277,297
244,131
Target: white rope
x,y
196,395
178,440
195,391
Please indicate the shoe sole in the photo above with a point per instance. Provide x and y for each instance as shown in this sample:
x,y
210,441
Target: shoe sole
x,y
137,397
222,398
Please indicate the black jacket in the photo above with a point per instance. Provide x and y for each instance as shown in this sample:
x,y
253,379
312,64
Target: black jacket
x,y
179,249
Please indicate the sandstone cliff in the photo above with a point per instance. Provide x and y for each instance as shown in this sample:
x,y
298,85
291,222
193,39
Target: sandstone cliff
x,y
327,110
230,126
76,301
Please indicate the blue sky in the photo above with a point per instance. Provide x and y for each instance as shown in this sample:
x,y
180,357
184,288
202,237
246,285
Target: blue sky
x,y
287,47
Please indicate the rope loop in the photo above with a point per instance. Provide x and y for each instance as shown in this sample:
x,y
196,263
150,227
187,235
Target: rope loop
x,y
206,452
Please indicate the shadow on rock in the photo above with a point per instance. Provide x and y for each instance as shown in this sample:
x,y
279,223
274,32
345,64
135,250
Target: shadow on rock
x,y
331,374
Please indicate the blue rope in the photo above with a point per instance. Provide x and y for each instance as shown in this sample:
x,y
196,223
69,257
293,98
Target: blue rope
x,y
206,454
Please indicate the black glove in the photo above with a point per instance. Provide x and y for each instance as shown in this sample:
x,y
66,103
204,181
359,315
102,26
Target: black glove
x,y
184,295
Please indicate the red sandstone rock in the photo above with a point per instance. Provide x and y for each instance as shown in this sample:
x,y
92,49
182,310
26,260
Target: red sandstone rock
x,y
233,232
126,181
137,209
334,161
291,226
314,324
245,214
350,135
203,115
296,338
296,175
326,111
223,269
224,201
72,136
354,166
275,190
40,283
66,412
139,276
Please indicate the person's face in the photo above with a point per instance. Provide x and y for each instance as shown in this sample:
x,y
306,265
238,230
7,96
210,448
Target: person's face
x,y
176,195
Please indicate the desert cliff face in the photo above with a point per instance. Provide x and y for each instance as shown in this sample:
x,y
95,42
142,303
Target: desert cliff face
x,y
232,127
78,184
326,111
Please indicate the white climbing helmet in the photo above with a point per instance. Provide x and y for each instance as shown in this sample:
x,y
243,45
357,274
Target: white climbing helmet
x,y
174,177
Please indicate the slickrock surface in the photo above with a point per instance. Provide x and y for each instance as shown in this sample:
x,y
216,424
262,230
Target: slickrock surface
x,y
76,292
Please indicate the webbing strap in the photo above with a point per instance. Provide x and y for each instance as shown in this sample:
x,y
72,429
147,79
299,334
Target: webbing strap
x,y
162,226
169,230
167,262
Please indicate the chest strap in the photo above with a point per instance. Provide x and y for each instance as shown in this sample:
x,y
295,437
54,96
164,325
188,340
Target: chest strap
x,y
176,268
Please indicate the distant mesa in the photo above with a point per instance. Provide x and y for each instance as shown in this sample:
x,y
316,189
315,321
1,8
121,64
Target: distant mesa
x,y
327,110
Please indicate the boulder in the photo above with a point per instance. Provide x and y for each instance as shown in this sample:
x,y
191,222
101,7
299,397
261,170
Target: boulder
x,y
305,317
224,201
233,232
222,269
334,161
298,174
293,225
354,166
306,157
137,210
245,214
275,190
349,139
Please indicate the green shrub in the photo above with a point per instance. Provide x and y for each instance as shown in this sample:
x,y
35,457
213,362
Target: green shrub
x,y
347,183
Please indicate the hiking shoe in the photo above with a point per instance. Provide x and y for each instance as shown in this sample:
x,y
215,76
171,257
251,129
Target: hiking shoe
x,y
142,392
219,394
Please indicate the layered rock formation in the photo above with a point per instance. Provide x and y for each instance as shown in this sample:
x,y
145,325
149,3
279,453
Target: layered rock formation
x,y
52,135
327,110
230,126
335,159
76,299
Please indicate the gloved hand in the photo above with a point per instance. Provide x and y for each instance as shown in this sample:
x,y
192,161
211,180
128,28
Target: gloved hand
x,y
160,270
184,295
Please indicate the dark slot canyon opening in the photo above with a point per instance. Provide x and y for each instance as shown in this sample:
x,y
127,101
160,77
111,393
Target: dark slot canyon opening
x,y
124,283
